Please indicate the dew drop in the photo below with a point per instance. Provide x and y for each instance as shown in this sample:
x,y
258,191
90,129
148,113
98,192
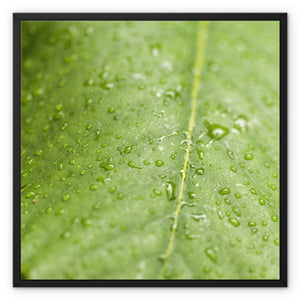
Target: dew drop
x,y
248,156
224,191
199,171
170,190
133,165
66,197
128,149
107,166
93,187
66,235
216,131
251,224
159,163
211,254
230,154
274,218
234,222
30,194
111,109
233,169
72,162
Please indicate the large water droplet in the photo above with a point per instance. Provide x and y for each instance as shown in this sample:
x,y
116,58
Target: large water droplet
x,y
170,190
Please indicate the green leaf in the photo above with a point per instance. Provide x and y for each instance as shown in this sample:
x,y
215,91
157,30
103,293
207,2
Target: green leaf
x,y
150,150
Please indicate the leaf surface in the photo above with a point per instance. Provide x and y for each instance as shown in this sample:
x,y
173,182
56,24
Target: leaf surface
x,y
150,150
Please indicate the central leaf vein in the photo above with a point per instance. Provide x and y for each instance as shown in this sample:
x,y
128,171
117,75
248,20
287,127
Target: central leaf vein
x,y
200,49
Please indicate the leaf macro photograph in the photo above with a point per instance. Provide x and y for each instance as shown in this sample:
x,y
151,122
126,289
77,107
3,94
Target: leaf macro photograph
x,y
149,150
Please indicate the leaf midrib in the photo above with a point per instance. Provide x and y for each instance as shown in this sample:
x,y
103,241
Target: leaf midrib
x,y
200,49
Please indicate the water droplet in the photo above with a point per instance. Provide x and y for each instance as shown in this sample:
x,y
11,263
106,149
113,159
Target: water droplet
x,y
85,222
266,237
236,211
170,190
30,194
157,192
72,162
199,171
233,169
61,211
211,254
274,218
128,149
111,109
93,187
253,191
224,191
241,123
107,166
254,230
133,165
200,154
216,131
276,241
237,195
251,224
230,154
261,201
66,235
234,222
264,223
159,163
173,156
89,126
248,156
227,201
66,197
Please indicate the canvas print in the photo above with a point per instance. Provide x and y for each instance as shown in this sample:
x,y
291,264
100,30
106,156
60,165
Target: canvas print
x,y
150,150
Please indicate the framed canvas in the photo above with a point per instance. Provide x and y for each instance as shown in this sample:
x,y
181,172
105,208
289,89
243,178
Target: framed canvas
x,y
150,149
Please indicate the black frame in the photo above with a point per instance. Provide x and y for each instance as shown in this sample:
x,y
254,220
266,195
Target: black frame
x,y
17,18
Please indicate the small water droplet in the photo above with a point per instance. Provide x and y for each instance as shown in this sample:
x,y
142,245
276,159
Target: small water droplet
x,y
107,166
159,163
230,154
170,190
30,194
72,162
224,191
276,241
199,171
66,197
211,254
93,187
111,109
274,218
66,235
128,149
234,222
216,131
248,156
133,165
251,224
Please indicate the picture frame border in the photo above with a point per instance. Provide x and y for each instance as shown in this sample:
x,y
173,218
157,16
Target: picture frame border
x,y
19,17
